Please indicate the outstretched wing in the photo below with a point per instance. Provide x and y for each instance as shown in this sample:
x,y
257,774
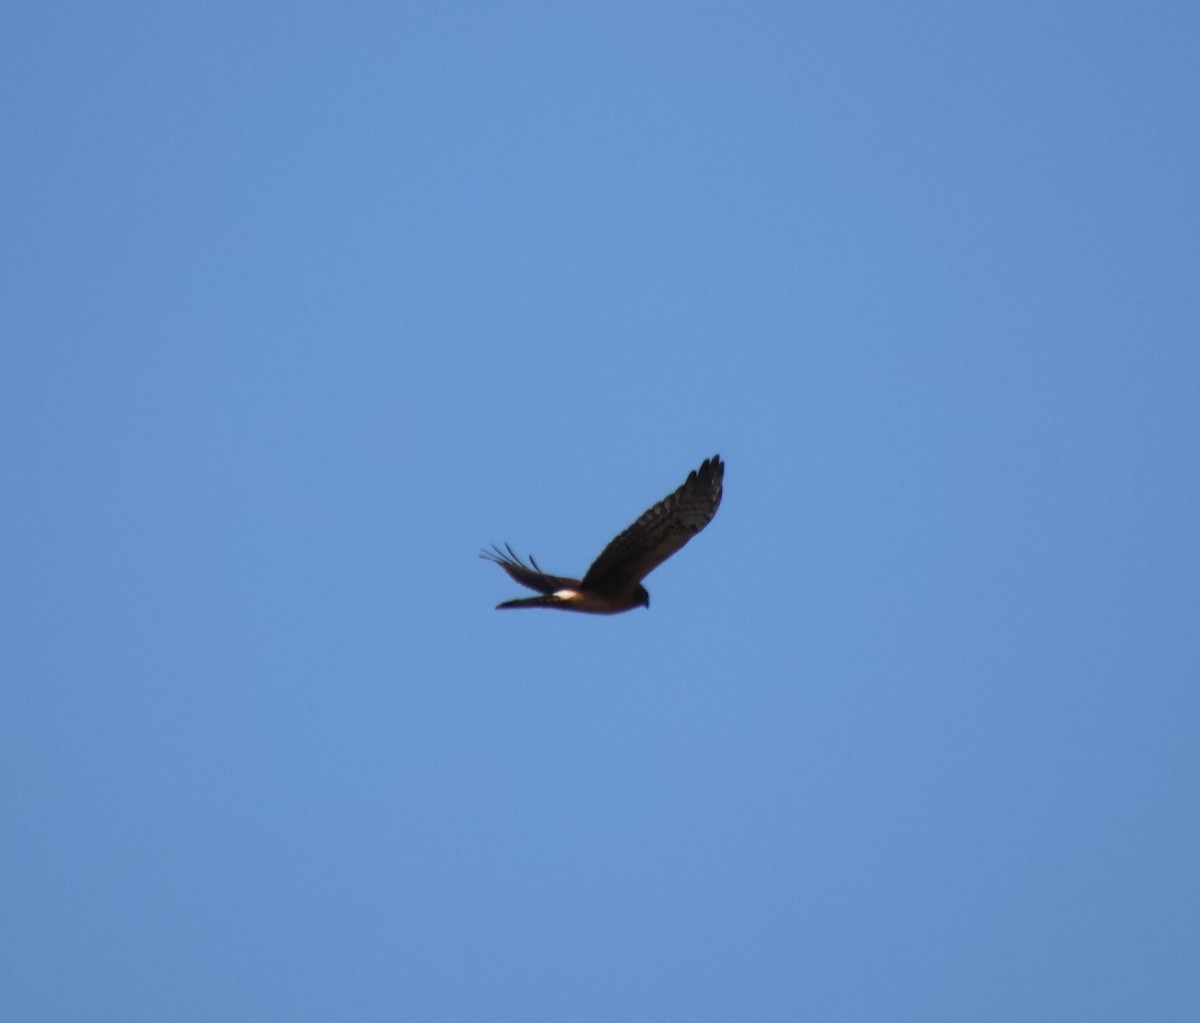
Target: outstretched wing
x,y
660,532
534,577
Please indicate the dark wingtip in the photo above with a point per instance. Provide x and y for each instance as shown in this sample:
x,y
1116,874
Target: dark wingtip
x,y
712,468
497,557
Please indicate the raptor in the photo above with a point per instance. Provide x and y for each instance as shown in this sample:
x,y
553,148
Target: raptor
x,y
614,581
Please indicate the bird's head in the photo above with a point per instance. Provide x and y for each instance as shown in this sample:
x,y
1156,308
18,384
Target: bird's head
x,y
643,598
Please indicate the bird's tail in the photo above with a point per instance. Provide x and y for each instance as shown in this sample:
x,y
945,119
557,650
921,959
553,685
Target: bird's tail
x,y
549,600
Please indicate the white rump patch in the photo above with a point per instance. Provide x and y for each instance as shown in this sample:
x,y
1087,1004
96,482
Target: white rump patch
x,y
566,594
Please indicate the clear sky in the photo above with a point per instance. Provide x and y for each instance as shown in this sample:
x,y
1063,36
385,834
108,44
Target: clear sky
x,y
303,304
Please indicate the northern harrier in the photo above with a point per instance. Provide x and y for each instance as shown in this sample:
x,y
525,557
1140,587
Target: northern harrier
x,y
614,582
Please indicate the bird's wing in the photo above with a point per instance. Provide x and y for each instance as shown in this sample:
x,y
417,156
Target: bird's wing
x,y
532,577
660,531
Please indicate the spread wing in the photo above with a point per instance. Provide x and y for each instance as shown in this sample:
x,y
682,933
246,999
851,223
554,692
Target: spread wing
x,y
660,531
533,577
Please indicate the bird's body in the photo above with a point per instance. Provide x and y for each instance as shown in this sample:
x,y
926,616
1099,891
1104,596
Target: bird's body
x,y
614,581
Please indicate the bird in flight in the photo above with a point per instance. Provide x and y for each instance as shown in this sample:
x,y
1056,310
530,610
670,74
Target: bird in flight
x,y
614,582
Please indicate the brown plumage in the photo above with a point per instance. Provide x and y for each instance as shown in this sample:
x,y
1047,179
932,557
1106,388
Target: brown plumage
x,y
614,582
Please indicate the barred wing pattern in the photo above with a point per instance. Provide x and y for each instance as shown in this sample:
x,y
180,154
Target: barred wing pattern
x,y
614,582
660,531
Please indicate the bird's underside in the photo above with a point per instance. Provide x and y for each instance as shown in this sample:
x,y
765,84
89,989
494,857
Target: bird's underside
x,y
614,581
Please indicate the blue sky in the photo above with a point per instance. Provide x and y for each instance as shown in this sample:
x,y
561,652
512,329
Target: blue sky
x,y
304,304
